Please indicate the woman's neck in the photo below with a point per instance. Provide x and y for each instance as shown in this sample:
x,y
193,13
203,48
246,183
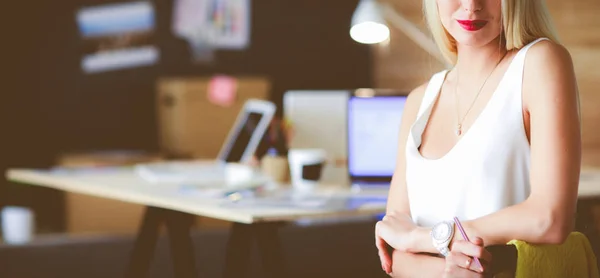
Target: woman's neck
x,y
479,61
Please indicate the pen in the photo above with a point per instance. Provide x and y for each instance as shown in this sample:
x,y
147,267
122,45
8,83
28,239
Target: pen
x,y
465,237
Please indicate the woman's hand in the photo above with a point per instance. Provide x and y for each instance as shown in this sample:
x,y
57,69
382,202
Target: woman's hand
x,y
395,230
460,262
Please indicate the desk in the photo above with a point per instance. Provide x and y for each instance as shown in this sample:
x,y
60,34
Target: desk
x,y
168,204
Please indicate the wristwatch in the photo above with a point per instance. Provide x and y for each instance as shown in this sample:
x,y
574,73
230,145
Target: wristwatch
x,y
441,235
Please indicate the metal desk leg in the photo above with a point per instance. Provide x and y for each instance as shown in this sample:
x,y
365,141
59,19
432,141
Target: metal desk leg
x,y
239,246
182,248
145,243
270,249
238,250
182,252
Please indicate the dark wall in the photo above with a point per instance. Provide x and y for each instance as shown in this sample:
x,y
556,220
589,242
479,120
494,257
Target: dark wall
x,y
298,44
48,105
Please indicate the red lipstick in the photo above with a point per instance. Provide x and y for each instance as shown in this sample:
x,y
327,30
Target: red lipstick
x,y
472,25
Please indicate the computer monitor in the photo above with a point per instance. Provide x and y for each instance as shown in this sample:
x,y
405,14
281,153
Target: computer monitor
x,y
373,129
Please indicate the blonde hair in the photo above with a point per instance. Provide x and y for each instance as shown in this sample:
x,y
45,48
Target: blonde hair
x,y
523,21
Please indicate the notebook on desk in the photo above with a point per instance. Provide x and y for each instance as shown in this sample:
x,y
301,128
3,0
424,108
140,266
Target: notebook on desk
x,y
373,123
242,141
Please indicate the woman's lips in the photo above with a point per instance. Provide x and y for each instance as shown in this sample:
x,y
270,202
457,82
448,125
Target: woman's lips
x,y
472,25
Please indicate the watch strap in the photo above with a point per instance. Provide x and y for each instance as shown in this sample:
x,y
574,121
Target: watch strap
x,y
444,250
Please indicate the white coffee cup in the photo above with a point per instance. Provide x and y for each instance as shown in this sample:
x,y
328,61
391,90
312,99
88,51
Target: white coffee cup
x,y
17,225
306,166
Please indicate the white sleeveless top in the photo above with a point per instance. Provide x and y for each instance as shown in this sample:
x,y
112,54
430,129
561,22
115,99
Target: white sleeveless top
x,y
487,169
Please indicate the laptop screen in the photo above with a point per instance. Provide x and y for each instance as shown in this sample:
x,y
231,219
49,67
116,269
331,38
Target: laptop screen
x,y
242,137
373,127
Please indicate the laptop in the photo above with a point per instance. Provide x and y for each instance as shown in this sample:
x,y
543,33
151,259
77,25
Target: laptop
x,y
373,124
240,145
318,118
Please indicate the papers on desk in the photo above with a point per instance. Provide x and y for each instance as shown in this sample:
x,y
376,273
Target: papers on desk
x,y
296,200
201,174
180,172
82,171
255,191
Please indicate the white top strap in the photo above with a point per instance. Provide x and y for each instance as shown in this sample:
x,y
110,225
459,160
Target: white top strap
x,y
519,63
431,92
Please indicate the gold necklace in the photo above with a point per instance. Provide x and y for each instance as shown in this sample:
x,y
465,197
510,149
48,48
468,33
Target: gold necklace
x,y
460,121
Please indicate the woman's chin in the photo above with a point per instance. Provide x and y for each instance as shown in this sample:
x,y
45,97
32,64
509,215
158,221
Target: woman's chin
x,y
472,38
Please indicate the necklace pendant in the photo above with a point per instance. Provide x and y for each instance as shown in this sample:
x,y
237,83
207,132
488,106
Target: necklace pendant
x,y
458,130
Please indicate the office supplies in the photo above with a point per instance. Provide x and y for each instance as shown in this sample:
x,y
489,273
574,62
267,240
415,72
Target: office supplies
x,y
318,121
373,124
465,237
275,166
239,147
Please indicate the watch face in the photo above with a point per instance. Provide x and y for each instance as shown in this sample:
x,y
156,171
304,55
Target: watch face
x,y
441,231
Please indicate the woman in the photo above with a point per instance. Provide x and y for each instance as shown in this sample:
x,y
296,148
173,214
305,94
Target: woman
x,y
494,141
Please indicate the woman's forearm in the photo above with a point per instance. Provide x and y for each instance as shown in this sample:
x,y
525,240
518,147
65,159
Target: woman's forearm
x,y
521,222
526,222
409,265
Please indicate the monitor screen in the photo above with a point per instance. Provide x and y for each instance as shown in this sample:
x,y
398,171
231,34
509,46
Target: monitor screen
x,y
373,129
241,139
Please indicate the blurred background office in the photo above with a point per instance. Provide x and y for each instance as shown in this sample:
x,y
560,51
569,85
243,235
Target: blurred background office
x,y
92,83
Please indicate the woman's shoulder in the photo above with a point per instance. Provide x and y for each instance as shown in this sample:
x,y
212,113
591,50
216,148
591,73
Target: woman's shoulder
x,y
413,101
549,74
415,97
548,54
417,93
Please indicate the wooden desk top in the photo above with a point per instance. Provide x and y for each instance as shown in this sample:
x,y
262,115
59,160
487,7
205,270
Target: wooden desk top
x,y
124,185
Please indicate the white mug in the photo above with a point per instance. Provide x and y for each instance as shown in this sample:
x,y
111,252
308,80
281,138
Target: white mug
x,y
306,167
17,225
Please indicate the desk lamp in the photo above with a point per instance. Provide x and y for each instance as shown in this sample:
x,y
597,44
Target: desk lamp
x,y
369,26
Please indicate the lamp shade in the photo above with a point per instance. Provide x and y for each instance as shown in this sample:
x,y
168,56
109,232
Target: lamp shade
x,y
368,25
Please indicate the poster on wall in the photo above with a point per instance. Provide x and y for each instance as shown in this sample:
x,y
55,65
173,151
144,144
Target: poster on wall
x,y
210,25
117,36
